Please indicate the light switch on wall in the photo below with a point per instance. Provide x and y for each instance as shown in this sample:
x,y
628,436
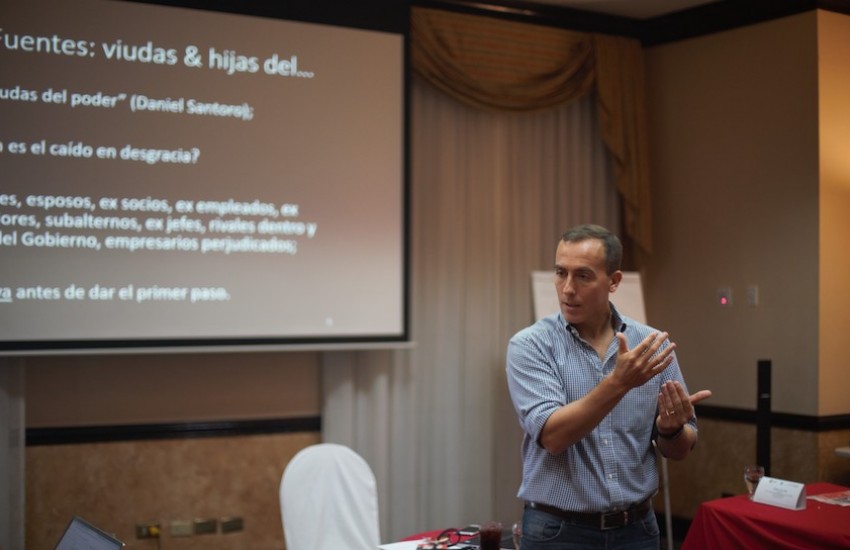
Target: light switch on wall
x,y
753,295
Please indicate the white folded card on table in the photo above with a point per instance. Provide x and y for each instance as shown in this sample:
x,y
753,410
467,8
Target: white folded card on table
x,y
778,492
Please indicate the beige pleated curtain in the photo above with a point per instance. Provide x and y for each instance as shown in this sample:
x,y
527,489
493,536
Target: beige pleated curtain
x,y
492,187
493,63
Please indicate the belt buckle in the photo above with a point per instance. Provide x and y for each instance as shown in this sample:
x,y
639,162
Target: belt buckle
x,y
613,520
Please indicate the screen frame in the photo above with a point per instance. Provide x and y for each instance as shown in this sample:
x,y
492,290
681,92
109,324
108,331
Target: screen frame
x,y
389,16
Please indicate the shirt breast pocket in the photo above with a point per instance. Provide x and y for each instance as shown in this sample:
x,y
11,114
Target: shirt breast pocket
x,y
636,412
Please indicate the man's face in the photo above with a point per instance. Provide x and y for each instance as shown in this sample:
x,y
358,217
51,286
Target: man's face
x,y
582,283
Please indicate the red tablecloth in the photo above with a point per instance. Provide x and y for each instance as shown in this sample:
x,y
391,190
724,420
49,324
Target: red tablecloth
x,y
425,535
431,534
737,522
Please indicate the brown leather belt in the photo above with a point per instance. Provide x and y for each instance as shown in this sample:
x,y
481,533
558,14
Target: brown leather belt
x,y
602,521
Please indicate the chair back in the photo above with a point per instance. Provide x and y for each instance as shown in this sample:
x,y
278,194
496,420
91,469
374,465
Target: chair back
x,y
329,500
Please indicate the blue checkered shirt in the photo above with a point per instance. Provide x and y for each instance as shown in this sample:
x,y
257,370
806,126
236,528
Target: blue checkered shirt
x,y
613,467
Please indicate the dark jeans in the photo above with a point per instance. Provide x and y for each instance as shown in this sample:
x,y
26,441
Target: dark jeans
x,y
542,531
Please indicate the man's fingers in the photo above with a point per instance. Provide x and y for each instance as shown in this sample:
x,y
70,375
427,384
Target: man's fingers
x,y
699,396
664,363
658,339
648,346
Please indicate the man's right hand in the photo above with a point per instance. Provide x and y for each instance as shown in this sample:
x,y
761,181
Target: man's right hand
x,y
638,365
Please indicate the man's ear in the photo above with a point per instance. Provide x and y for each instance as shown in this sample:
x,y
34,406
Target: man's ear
x,y
616,277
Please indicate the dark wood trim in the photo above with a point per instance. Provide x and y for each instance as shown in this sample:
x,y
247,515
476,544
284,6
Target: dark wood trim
x,y
688,23
183,430
540,14
224,428
382,15
777,420
717,17
838,6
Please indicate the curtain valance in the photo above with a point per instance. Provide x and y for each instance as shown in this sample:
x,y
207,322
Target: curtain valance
x,y
492,63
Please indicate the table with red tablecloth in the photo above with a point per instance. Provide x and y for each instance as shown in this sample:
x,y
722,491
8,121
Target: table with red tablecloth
x,y
738,522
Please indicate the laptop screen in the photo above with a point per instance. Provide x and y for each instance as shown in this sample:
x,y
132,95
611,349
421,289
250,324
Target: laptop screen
x,y
82,535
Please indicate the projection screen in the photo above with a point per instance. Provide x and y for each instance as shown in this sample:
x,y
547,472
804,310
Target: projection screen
x,y
176,177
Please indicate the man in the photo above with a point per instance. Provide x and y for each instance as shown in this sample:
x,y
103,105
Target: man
x,y
593,389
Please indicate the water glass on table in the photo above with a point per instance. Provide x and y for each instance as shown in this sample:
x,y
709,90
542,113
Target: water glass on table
x,y
752,476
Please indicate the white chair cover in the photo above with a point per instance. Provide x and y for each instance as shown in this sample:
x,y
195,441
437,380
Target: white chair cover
x,y
329,500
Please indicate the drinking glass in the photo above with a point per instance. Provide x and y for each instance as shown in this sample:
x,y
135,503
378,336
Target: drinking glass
x,y
752,475
490,535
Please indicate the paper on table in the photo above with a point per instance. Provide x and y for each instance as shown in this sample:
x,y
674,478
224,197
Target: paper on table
x,y
412,544
841,498
404,545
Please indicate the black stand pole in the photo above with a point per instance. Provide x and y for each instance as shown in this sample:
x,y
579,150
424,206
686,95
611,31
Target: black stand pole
x,y
763,416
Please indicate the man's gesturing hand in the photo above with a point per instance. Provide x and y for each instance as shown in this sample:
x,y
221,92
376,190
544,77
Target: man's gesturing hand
x,y
636,366
676,407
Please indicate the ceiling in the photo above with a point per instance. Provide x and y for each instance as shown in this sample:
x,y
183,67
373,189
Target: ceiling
x,y
635,9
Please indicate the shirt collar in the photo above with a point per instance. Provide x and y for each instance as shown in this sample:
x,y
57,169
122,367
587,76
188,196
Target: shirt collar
x,y
618,322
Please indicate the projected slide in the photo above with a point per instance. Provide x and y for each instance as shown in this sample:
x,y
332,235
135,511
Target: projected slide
x,y
172,175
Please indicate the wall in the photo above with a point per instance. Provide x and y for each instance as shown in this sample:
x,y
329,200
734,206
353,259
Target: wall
x,y
737,199
834,89
733,124
119,484
716,467
137,389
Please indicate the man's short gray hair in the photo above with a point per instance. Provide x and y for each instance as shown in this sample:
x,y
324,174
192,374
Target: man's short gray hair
x,y
613,246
